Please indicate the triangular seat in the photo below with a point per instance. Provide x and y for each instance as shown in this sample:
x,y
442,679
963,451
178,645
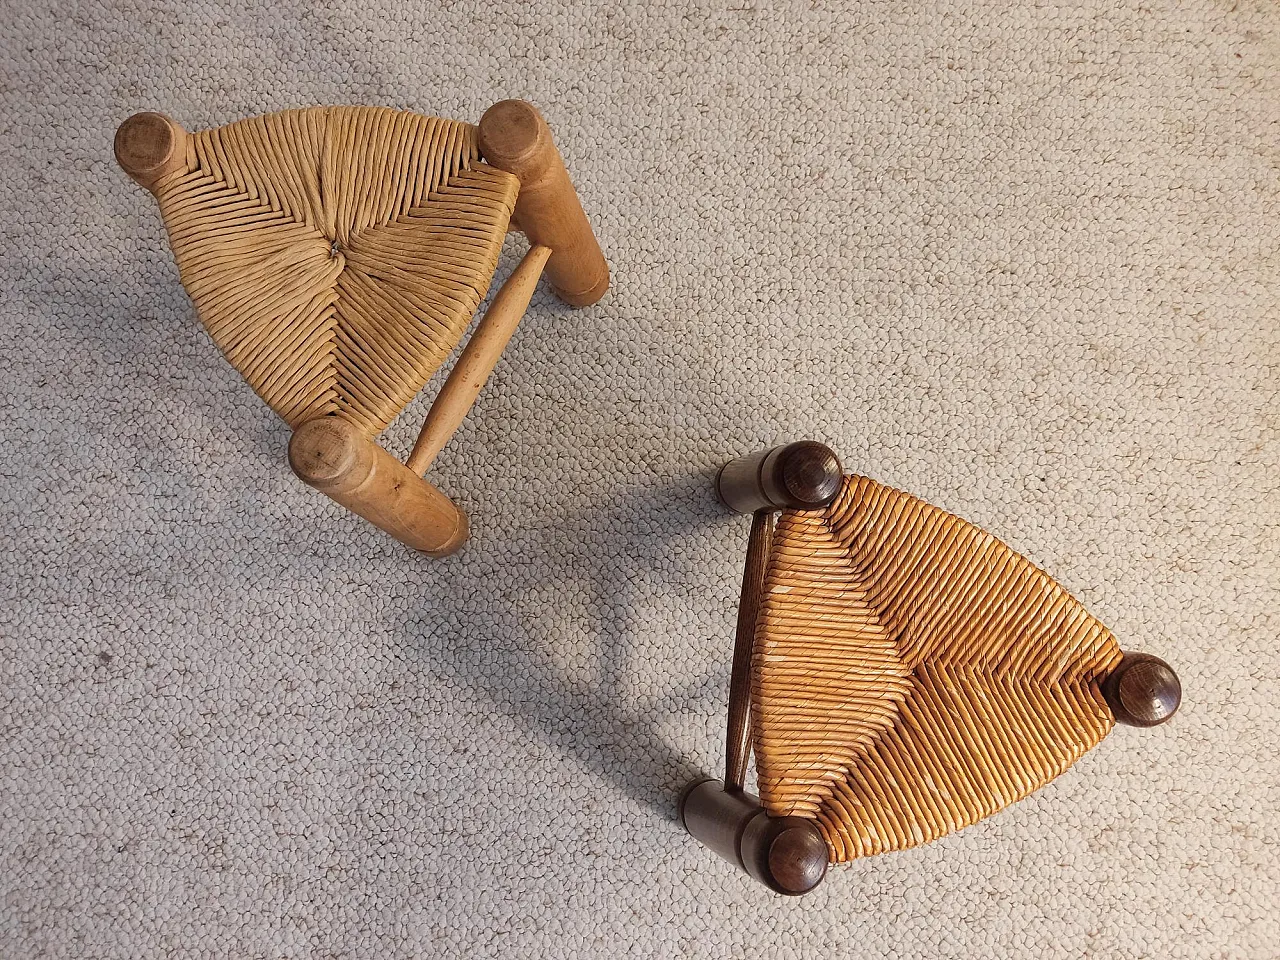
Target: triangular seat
x,y
898,673
913,674
336,255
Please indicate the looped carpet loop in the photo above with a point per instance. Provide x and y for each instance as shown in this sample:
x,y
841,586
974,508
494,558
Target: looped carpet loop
x,y
337,254
912,674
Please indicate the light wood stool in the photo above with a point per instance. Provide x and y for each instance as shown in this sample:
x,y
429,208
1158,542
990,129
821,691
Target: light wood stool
x,y
899,673
336,255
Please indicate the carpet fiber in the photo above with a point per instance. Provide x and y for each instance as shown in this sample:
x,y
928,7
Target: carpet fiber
x,y
1020,261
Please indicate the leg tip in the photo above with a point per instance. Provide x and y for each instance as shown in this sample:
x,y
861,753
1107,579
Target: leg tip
x,y
585,298
1143,691
805,475
810,474
514,137
326,452
149,147
794,856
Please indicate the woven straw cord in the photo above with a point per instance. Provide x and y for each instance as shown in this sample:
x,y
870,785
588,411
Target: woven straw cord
x,y
337,254
912,674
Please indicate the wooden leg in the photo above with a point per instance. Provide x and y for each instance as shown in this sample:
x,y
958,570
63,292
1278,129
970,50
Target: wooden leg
x,y
514,137
1143,691
149,147
336,458
491,336
798,476
787,854
738,737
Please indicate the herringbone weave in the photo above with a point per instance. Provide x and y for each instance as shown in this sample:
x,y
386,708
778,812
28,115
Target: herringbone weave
x,y
337,254
913,674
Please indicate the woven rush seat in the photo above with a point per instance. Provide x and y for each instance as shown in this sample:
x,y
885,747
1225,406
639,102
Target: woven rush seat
x,y
336,256
913,673
899,674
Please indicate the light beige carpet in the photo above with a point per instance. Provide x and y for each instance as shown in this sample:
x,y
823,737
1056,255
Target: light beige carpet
x,y
1022,259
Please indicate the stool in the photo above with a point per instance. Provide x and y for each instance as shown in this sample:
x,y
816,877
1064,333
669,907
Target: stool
x,y
336,255
898,672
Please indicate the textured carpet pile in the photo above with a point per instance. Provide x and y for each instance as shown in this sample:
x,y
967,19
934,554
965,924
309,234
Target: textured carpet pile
x,y
1021,261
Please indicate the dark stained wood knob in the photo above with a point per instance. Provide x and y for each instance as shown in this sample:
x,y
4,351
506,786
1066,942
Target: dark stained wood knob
x,y
805,475
787,854
1143,691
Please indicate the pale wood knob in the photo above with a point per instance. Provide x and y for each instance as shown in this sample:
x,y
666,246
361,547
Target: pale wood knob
x,y
336,458
149,147
514,137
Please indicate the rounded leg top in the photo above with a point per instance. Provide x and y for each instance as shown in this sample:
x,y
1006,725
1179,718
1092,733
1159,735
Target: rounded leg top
x,y
331,454
787,854
805,475
514,137
150,146
340,461
1143,691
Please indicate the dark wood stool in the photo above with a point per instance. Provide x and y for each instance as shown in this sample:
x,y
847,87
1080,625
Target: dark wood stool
x,y
898,672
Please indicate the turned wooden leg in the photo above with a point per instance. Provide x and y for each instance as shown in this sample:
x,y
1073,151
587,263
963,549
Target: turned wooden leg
x,y
336,458
149,147
479,358
514,137
1142,691
738,736
786,854
805,475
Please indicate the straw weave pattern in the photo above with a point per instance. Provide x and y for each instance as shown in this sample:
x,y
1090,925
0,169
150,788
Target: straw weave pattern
x,y
913,674
337,254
